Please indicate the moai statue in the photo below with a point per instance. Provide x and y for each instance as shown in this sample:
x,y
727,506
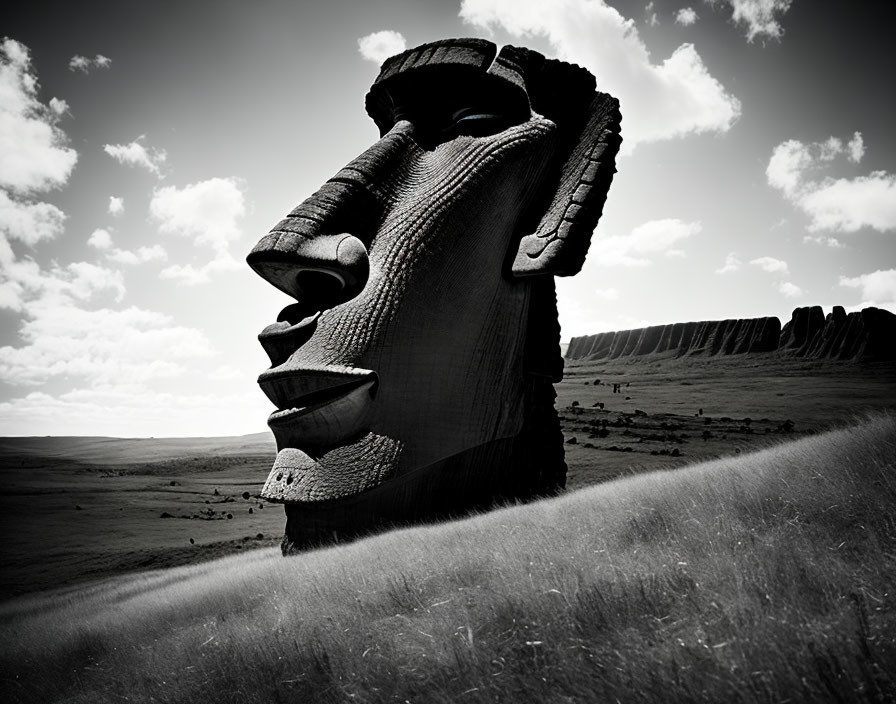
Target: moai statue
x,y
413,376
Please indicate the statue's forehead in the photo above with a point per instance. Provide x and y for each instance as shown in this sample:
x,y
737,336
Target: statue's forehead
x,y
459,54
460,66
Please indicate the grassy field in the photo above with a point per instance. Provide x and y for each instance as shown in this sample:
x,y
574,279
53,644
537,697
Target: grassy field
x,y
69,516
94,507
762,577
658,409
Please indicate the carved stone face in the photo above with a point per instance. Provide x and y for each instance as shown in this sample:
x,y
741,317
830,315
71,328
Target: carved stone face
x,y
404,362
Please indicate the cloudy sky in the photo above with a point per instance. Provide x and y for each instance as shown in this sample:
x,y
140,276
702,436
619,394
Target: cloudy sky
x,y
145,147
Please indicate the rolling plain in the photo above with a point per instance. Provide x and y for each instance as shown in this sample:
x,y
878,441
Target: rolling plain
x,y
761,576
80,509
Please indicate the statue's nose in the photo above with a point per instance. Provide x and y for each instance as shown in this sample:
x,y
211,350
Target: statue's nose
x,y
320,270
317,254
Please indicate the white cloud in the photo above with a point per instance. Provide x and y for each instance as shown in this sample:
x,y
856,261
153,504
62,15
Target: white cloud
x,y
206,211
846,205
649,12
121,351
135,154
790,290
81,280
16,53
771,265
189,275
856,148
878,288
58,106
225,373
778,266
84,64
35,154
34,158
652,237
607,294
24,285
379,46
830,148
29,223
9,295
100,239
732,263
28,287
686,16
759,16
99,346
79,63
149,254
116,205
660,101
140,256
135,410
831,242
786,166
837,204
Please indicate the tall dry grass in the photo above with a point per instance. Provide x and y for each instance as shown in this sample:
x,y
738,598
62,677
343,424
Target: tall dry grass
x,y
764,577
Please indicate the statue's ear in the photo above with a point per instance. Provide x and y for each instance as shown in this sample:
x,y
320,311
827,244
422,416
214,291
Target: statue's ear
x,y
590,142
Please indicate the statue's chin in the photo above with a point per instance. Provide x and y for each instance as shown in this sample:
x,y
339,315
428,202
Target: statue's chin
x,y
449,487
338,473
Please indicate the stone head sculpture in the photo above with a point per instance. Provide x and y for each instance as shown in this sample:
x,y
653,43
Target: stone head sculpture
x,y
413,375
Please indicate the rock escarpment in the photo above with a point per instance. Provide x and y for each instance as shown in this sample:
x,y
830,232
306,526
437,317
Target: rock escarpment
x,y
868,335
709,337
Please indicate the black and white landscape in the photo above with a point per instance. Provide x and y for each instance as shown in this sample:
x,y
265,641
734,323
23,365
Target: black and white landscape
x,y
727,410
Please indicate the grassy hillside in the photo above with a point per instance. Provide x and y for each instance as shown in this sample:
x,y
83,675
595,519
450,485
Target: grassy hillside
x,y
100,507
761,577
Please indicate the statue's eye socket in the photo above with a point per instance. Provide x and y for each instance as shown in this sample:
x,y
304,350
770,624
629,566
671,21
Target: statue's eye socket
x,y
481,124
437,124
475,122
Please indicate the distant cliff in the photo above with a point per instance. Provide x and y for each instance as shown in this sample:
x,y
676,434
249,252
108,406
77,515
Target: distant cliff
x,y
869,334
707,337
866,335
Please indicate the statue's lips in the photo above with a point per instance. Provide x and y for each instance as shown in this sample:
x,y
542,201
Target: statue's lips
x,y
318,407
291,331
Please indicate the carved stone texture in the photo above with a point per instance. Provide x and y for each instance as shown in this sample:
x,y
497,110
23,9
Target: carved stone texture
x,y
413,376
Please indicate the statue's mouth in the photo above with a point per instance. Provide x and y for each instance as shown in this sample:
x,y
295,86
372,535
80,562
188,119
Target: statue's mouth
x,y
318,407
294,326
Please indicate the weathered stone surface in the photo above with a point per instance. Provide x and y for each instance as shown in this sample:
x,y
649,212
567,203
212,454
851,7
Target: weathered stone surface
x,y
701,338
413,375
866,335
805,324
869,335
